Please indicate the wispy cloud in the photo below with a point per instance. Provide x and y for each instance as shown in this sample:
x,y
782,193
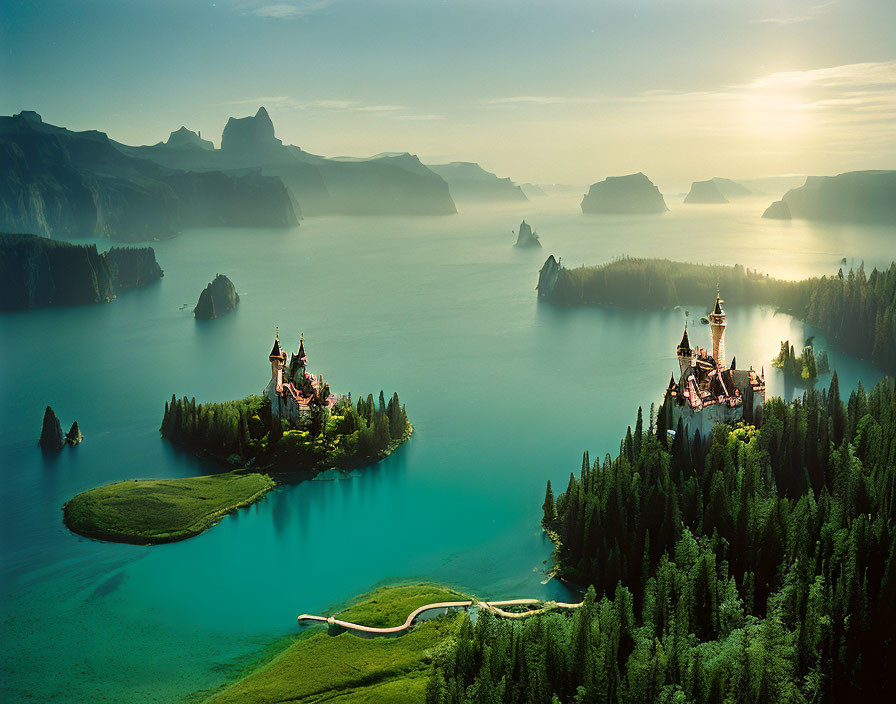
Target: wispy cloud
x,y
287,9
285,102
538,100
810,13
873,74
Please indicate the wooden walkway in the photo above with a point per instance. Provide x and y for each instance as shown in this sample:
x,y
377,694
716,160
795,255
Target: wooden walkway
x,y
494,606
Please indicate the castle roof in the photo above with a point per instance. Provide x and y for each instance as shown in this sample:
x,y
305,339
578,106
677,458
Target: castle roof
x,y
302,347
685,343
718,309
276,352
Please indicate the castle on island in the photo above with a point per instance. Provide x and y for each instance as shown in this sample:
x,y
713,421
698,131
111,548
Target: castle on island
x,y
708,391
293,391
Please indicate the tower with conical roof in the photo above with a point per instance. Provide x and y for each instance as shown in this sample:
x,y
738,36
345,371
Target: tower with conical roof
x,y
278,362
686,355
717,325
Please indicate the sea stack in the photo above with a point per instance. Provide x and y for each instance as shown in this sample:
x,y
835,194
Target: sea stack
x,y
51,437
218,298
779,210
634,194
73,436
527,237
705,192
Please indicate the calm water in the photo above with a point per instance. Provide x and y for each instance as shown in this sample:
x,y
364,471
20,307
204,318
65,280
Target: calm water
x,y
504,394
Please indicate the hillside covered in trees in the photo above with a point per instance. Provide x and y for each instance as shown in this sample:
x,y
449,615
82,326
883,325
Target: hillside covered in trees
x,y
857,312
244,432
759,567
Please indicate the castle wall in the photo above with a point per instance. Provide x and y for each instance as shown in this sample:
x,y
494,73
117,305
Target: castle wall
x,y
703,420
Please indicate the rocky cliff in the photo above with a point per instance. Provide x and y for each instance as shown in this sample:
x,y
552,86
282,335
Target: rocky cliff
x,y
857,196
51,437
777,211
64,184
468,181
626,195
36,272
705,192
218,298
547,277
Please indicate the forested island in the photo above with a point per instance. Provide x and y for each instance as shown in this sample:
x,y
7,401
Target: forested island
x,y
759,567
857,312
36,271
244,433
806,367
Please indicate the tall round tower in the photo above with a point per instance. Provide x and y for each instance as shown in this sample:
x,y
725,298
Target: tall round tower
x,y
278,362
717,324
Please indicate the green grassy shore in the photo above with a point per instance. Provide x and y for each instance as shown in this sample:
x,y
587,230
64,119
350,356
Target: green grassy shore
x,y
148,511
317,667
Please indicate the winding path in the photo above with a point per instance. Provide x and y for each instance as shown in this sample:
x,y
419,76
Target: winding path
x,y
493,606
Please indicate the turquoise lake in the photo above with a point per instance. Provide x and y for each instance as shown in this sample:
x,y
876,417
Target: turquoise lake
x,y
505,393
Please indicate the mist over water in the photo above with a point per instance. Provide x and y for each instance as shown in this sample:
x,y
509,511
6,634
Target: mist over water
x,y
504,394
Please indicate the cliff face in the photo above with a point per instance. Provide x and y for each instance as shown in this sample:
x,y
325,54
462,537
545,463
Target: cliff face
x,y
36,272
626,195
547,277
777,211
218,298
386,184
65,184
469,181
51,437
857,196
705,192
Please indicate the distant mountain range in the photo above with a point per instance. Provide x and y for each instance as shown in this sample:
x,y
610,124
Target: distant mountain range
x,y
468,181
63,184
385,184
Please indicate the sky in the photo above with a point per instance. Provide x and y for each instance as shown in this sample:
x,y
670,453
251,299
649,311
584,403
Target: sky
x,y
541,91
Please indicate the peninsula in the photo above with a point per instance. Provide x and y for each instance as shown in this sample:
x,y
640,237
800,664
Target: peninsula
x,y
36,272
856,196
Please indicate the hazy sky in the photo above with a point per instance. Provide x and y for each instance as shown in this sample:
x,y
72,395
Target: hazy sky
x,y
543,91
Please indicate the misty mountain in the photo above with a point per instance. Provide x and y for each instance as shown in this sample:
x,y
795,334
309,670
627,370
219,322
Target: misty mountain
x,y
469,181
62,184
705,192
856,196
385,184
626,195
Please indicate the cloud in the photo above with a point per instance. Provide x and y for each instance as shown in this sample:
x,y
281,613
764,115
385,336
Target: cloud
x,y
288,9
872,74
285,102
537,100
811,13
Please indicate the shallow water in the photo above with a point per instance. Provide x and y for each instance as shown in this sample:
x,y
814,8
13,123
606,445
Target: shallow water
x,y
504,394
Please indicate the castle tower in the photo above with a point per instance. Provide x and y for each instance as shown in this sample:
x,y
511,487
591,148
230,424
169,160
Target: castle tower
x,y
278,362
717,324
685,353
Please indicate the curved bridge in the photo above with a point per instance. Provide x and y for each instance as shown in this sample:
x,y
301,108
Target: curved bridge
x,y
494,606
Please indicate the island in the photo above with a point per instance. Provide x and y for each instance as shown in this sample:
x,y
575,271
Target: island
x,y
469,182
153,511
63,184
51,437
805,367
634,194
856,310
705,192
218,298
36,272
856,196
297,425
527,237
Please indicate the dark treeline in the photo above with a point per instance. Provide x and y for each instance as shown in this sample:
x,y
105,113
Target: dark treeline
x,y
236,431
855,311
757,567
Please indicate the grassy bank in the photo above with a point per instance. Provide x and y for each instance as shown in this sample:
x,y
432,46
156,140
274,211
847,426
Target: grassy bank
x,y
147,511
348,669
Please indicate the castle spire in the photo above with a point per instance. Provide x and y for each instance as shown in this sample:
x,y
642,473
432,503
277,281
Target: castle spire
x,y
302,346
718,325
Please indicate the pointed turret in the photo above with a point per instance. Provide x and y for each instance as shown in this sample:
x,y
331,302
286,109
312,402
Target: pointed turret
x,y
685,353
718,324
278,362
302,347
276,351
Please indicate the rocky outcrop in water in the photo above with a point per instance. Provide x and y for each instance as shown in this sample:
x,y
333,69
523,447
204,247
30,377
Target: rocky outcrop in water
x,y
777,211
51,437
705,192
527,237
36,272
73,436
547,277
626,195
468,181
64,184
857,196
218,298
